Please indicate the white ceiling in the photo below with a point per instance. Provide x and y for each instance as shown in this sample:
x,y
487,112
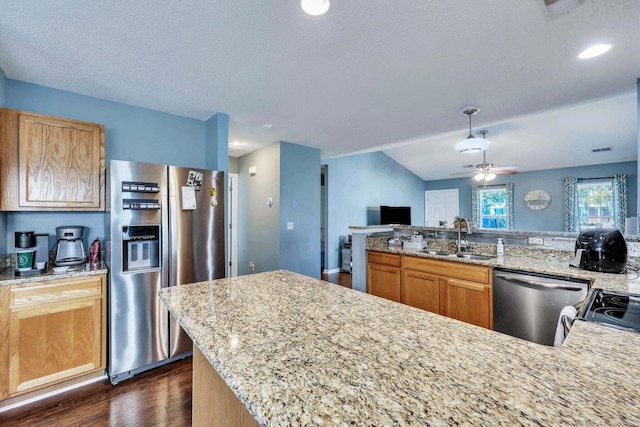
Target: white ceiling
x,y
370,74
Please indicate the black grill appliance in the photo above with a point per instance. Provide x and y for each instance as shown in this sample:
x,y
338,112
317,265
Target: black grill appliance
x,y
602,250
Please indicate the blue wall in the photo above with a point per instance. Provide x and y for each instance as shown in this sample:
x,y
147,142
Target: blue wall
x,y
366,180
258,224
289,174
550,180
131,133
300,204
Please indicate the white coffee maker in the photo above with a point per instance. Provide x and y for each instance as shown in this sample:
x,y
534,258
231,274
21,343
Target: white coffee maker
x,y
70,245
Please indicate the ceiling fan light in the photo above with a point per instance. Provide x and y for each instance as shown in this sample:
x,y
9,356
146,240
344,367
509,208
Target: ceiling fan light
x,y
315,7
490,176
471,145
479,176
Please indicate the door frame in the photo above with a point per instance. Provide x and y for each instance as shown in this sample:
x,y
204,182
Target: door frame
x,y
232,225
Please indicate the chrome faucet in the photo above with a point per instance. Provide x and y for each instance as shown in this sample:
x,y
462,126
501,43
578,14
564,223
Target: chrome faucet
x,y
460,241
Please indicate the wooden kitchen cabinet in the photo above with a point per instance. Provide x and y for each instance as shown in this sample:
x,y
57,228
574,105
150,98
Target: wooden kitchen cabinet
x,y
50,163
469,302
57,332
384,275
422,290
455,289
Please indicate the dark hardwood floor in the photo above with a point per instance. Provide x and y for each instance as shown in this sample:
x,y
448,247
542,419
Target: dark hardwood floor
x,y
160,397
342,279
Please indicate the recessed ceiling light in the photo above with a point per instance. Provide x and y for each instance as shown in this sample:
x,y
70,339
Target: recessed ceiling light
x,y
315,7
595,50
235,143
267,126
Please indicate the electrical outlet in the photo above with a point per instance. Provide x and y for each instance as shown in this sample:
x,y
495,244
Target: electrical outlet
x,y
252,267
633,249
289,225
535,240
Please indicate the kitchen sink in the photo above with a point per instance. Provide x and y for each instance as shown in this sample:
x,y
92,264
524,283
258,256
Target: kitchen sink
x,y
476,257
459,255
441,253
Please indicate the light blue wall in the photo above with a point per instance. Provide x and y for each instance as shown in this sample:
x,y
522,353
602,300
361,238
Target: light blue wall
x,y
366,180
300,204
638,140
290,175
3,88
550,180
258,224
217,143
131,133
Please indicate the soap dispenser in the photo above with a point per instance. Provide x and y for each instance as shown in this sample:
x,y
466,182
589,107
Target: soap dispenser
x,y
500,247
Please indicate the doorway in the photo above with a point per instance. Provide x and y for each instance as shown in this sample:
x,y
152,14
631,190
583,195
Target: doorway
x,y
441,207
324,221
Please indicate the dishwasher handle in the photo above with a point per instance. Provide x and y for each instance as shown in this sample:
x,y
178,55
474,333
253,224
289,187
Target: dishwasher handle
x,y
517,279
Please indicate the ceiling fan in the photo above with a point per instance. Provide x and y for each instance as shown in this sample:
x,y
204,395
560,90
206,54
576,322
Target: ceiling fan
x,y
486,171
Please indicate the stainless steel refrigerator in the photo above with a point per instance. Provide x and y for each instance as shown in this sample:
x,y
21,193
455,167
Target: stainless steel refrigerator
x,y
165,227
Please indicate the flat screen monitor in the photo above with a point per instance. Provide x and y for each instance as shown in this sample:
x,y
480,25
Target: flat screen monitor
x,y
395,215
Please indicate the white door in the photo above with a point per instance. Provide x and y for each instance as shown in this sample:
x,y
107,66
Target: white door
x,y
440,205
232,214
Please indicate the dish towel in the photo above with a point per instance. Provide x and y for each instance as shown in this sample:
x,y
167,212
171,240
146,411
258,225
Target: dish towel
x,y
570,312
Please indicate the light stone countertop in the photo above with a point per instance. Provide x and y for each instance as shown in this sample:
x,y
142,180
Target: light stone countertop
x,y
9,276
298,351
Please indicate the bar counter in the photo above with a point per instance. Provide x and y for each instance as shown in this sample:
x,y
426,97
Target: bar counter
x,y
298,351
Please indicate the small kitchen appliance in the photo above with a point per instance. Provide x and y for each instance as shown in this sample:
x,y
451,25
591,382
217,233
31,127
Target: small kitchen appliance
x,y
32,252
603,250
70,245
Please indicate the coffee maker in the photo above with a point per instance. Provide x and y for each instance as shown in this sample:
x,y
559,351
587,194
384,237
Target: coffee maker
x,y
32,252
70,244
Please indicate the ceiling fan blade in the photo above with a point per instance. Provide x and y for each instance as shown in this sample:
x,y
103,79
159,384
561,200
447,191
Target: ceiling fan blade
x,y
469,173
505,172
506,168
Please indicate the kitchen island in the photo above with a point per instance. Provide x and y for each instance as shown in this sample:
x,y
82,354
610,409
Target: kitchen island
x,y
299,351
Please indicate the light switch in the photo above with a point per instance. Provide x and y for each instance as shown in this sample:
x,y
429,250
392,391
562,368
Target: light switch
x,y
289,226
252,171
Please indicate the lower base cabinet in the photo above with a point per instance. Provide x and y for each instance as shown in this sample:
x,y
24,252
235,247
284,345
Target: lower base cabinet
x,y
458,290
57,332
469,302
422,290
384,275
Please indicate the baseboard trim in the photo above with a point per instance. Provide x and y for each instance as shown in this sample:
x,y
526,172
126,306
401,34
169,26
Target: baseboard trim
x,y
332,271
27,398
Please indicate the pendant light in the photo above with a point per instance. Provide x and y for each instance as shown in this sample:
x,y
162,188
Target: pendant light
x,y
315,7
471,144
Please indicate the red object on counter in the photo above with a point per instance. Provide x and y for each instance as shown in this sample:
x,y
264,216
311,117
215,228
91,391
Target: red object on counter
x,y
94,251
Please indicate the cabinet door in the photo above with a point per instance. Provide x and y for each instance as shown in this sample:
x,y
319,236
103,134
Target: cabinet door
x,y
56,332
469,302
61,163
384,281
421,290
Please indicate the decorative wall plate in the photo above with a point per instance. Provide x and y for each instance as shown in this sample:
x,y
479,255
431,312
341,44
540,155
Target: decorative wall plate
x,y
537,200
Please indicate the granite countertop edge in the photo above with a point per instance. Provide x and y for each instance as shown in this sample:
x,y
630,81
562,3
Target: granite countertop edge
x,y
8,277
300,351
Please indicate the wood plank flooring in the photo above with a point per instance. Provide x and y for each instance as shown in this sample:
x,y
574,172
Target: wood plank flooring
x,y
342,279
160,397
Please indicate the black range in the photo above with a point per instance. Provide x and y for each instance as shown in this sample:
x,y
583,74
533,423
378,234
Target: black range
x,y
613,308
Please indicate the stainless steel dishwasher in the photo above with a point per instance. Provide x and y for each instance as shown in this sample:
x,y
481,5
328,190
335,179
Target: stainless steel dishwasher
x,y
527,305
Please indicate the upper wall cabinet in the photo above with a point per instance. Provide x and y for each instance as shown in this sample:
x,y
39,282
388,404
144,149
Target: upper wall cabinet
x,y
50,163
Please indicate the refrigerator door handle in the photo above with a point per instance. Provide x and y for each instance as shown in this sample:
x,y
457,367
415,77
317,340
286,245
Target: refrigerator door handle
x,y
173,245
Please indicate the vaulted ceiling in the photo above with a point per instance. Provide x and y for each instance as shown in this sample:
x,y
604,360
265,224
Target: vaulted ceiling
x,y
368,75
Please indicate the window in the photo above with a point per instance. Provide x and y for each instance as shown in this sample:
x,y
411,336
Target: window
x,y
595,203
493,207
